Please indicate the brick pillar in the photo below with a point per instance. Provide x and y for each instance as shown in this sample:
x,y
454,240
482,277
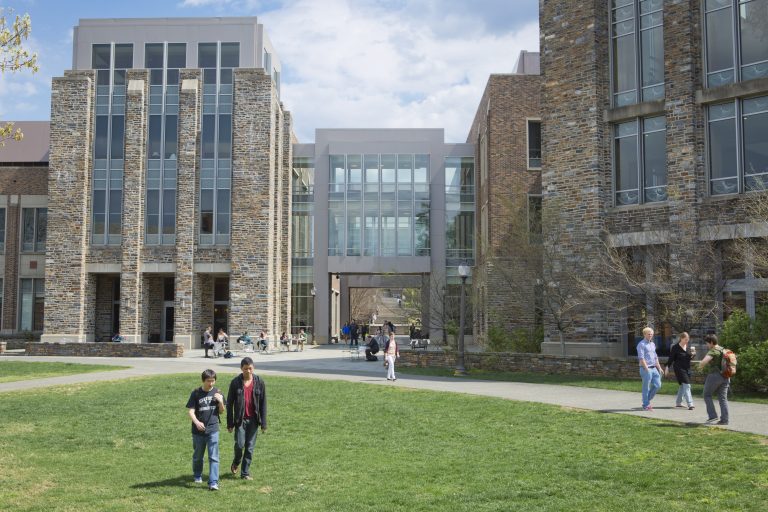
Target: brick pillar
x,y
133,303
187,314
253,203
286,248
70,291
11,274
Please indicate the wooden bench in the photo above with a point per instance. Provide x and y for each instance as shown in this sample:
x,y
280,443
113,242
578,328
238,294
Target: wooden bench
x,y
420,343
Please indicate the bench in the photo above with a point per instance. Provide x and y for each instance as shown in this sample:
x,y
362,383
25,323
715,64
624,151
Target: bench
x,y
420,343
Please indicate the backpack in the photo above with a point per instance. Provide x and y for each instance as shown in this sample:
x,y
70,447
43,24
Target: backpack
x,y
228,355
728,363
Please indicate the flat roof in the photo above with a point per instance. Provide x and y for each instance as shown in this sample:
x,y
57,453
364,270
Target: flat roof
x,y
34,147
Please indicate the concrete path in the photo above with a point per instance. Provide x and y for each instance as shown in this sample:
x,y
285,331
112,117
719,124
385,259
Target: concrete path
x,y
334,363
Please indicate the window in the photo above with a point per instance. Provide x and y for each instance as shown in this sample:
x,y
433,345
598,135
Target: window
x,y
2,230
640,161
116,305
736,41
534,144
637,51
460,209
31,305
217,60
110,62
220,304
738,149
164,60
34,223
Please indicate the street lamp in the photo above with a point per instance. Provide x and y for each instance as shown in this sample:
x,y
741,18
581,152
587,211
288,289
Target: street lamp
x,y
463,274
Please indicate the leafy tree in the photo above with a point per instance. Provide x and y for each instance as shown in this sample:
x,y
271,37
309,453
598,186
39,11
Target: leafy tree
x,y
14,57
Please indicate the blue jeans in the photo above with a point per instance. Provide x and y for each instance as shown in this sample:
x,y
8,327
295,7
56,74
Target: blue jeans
x,y
199,442
651,384
716,383
684,391
245,440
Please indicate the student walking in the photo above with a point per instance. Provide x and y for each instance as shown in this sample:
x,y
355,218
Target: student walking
x,y
680,361
715,382
650,368
204,406
246,412
391,353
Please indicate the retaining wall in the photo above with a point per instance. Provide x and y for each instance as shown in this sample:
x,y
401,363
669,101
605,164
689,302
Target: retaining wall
x,y
105,349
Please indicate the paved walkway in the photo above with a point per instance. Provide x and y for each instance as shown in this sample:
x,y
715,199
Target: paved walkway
x,y
334,363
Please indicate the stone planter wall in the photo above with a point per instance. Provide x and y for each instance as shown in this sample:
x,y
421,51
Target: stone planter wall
x,y
105,349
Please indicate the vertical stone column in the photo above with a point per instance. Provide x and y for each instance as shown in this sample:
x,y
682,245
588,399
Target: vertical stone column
x,y
286,248
133,303
70,293
187,310
251,285
11,274
277,284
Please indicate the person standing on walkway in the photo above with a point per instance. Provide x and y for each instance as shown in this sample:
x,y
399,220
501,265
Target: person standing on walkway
x,y
391,353
301,340
208,339
354,331
650,368
204,406
246,412
680,361
715,382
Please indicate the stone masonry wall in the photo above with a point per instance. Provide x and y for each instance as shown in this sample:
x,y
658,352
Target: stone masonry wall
x,y
105,349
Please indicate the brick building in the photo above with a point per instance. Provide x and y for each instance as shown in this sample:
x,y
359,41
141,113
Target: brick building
x,y
23,223
507,134
655,139
169,185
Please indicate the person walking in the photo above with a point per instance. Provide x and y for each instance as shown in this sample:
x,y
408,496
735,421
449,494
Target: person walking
x,y
650,368
204,406
715,382
246,412
680,361
391,353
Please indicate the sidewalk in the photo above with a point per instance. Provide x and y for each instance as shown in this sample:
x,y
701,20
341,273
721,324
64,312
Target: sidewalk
x,y
332,362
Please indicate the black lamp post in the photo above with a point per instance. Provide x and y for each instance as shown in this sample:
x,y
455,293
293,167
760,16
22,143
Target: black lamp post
x,y
463,274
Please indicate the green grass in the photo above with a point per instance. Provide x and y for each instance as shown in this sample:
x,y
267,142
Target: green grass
x,y
11,371
668,385
339,446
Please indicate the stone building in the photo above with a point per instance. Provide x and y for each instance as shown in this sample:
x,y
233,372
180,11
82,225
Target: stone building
x,y
507,135
169,184
655,141
23,227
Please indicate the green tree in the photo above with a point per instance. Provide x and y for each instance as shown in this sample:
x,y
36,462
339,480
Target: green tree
x,y
14,57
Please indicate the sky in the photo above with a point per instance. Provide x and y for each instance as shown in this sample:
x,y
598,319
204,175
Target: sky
x,y
346,63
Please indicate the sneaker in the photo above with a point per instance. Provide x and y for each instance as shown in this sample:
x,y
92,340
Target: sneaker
x,y
712,420
198,480
721,422
233,468
680,406
690,408
213,487
648,408
247,477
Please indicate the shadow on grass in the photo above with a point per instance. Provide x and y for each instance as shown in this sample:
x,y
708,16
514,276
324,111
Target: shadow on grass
x,y
179,481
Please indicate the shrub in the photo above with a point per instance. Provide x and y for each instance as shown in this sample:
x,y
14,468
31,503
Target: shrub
x,y
760,323
752,371
737,332
518,340
497,339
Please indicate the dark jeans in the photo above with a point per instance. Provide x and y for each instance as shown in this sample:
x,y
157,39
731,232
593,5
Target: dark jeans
x,y
245,438
716,383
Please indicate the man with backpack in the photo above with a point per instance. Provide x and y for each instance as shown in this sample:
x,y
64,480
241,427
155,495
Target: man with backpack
x,y
246,412
720,365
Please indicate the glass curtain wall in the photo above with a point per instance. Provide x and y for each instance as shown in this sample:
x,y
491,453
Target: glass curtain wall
x,y
217,61
110,62
460,209
302,219
378,205
163,60
637,51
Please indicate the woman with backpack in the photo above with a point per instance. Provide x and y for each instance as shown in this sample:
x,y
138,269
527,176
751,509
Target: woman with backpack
x,y
715,381
680,361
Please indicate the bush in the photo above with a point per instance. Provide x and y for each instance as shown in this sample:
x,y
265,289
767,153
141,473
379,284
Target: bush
x,y
737,332
760,323
519,340
752,370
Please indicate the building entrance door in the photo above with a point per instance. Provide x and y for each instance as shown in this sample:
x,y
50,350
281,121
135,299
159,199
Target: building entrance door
x,y
167,324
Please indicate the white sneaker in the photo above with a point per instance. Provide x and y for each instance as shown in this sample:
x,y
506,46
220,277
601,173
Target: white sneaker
x,y
213,487
198,480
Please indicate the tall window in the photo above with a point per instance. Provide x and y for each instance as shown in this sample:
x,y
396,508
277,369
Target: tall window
x,y
164,60
110,62
31,305
217,60
460,210
738,149
637,51
34,222
534,144
2,230
736,40
640,161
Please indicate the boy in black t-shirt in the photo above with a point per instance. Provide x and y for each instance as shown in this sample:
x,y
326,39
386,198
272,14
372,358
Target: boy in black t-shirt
x,y
204,406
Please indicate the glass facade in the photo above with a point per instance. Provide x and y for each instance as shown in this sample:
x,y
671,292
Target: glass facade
x,y
217,61
110,62
637,51
459,210
303,247
736,48
163,60
640,161
378,205
738,149
31,304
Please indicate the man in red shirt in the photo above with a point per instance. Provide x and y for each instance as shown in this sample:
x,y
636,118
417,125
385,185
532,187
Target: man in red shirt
x,y
246,411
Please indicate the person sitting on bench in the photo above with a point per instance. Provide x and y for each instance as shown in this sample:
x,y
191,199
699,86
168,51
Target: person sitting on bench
x,y
371,348
263,343
285,341
246,341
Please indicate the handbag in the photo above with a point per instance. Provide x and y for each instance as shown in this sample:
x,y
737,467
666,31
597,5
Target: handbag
x,y
386,363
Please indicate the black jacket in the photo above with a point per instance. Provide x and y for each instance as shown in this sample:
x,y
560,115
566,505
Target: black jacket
x,y
236,402
680,361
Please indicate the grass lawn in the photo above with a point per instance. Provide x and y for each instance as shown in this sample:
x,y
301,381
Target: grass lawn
x,y
668,385
339,446
24,370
